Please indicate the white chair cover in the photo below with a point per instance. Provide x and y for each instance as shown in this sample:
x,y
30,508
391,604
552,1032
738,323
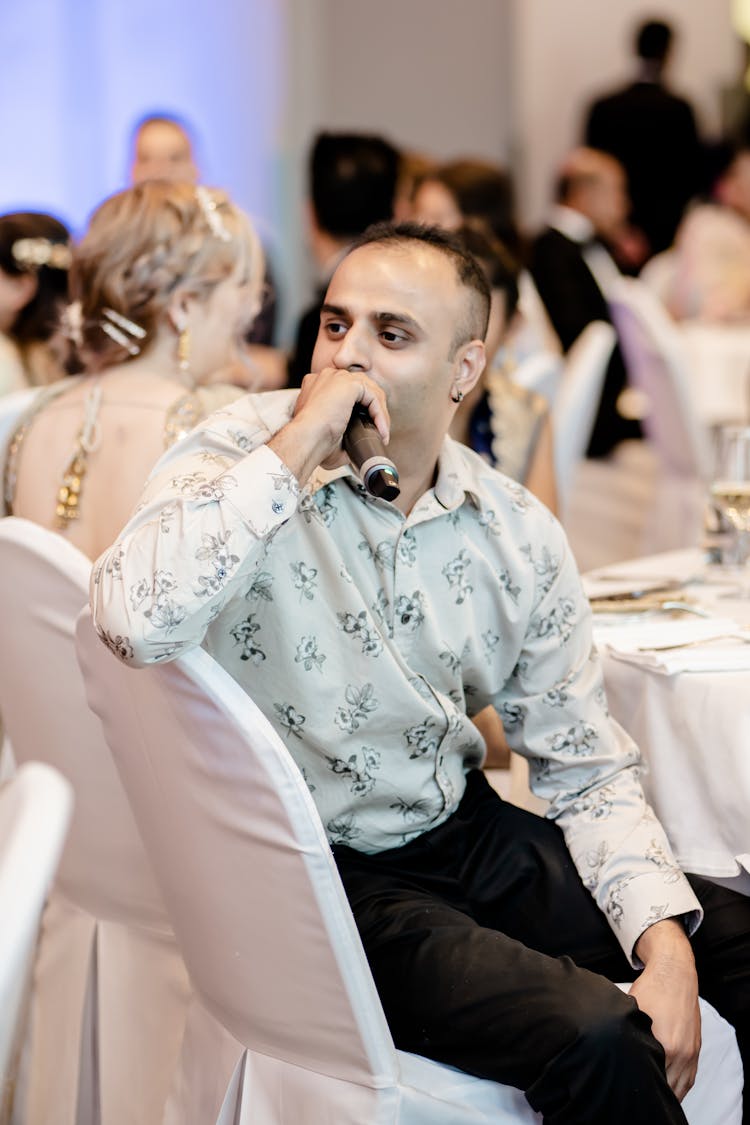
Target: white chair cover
x,y
577,401
110,989
657,364
540,372
263,921
12,406
34,814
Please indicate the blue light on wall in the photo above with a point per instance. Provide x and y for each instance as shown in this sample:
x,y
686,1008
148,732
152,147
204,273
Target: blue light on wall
x,y
76,74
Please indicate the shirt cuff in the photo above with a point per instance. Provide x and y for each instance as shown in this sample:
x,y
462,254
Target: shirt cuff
x,y
648,899
267,491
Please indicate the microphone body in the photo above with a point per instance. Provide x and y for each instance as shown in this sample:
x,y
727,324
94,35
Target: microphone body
x,y
363,446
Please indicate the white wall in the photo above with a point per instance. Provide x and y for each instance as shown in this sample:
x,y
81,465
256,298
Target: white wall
x,y
566,53
428,74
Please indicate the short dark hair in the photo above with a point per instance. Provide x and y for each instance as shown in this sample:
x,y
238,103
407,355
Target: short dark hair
x,y
468,271
38,320
353,180
653,40
499,266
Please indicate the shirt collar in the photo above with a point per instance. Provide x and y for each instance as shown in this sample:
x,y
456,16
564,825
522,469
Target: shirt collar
x,y
455,480
572,224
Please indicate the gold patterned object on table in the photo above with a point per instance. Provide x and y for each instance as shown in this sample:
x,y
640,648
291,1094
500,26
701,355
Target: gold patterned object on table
x,y
666,599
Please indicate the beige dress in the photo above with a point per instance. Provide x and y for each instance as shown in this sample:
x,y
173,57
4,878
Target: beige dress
x,y
186,411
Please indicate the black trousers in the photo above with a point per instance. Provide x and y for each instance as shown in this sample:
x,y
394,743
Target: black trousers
x,y
489,954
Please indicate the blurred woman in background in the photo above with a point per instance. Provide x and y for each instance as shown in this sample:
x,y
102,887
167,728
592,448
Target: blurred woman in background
x,y
35,256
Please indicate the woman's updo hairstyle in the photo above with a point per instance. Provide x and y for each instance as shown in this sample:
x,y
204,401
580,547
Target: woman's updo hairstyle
x,y
142,245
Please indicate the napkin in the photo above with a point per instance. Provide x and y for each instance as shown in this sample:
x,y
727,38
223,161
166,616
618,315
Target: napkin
x,y
725,654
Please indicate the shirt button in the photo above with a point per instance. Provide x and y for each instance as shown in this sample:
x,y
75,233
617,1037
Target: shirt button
x,y
277,506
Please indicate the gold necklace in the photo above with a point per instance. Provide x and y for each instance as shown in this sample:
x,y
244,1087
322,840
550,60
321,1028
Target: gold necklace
x,y
68,494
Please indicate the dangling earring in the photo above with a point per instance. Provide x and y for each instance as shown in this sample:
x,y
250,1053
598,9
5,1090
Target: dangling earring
x,y
456,395
183,351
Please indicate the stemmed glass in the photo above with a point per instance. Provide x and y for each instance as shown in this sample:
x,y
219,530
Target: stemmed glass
x,y
730,492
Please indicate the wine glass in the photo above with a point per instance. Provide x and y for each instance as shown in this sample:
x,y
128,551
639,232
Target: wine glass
x,y
730,492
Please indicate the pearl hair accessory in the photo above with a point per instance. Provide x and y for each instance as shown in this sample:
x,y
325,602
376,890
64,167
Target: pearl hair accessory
x,y
31,253
209,207
123,331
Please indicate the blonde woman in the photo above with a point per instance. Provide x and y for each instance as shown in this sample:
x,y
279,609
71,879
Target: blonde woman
x,y
164,285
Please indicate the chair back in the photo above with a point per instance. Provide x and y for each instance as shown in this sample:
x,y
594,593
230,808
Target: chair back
x,y
237,844
12,406
104,869
577,401
657,364
540,372
35,810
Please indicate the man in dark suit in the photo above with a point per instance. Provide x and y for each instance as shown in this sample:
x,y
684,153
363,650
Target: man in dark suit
x,y
652,133
573,271
352,185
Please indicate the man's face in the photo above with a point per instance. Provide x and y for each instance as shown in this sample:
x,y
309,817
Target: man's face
x,y
607,201
394,312
162,152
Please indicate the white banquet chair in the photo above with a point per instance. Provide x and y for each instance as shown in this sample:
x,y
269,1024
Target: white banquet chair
x,y
12,407
110,991
34,814
540,372
265,927
657,364
577,400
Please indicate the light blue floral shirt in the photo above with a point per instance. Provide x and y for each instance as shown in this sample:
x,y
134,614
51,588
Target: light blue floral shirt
x,y
369,638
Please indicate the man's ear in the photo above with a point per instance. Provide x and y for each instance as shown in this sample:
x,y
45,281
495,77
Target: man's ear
x,y
470,362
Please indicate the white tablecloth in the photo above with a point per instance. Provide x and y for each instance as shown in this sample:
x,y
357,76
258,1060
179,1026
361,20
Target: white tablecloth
x,y
693,729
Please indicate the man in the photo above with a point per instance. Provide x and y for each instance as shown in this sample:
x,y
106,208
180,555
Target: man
x,y
163,150
353,180
652,133
573,272
366,631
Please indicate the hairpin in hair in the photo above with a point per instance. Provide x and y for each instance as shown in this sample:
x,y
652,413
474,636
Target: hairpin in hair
x,y
72,322
123,331
210,210
31,253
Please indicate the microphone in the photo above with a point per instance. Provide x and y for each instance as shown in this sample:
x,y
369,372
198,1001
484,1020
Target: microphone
x,y
363,446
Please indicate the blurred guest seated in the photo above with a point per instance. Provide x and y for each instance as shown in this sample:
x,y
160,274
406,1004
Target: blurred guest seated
x,y
163,148
34,261
413,168
508,425
353,179
706,275
573,272
652,132
479,190
163,285
469,189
